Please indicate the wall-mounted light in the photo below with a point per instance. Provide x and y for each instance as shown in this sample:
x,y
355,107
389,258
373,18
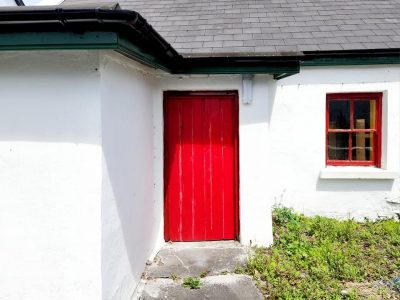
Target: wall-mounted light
x,y
247,94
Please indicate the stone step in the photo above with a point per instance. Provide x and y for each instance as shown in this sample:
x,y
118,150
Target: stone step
x,y
229,287
193,259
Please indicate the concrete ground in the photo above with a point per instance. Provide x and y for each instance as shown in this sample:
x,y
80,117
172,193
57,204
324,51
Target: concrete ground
x,y
213,262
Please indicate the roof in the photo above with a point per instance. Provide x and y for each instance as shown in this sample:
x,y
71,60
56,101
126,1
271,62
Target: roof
x,y
107,26
103,26
270,27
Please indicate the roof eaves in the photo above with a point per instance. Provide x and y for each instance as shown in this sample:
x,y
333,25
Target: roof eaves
x,y
65,26
125,31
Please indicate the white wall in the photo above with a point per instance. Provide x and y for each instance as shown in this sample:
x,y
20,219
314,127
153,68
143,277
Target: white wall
x,y
254,204
296,142
282,145
78,219
130,216
50,176
31,2
7,3
81,164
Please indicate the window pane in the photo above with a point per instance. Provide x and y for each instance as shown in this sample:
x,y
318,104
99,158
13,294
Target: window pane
x,y
362,146
338,146
364,114
339,114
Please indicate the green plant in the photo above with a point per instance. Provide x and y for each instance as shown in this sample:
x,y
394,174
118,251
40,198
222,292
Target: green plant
x,y
204,274
239,270
174,277
192,283
320,258
224,272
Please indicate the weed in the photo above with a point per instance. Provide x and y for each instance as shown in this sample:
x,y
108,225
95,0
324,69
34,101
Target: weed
x,y
239,270
224,272
323,258
204,274
191,282
174,277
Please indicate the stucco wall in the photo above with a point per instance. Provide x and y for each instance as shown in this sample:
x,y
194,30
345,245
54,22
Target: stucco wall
x,y
282,145
128,208
81,164
50,176
78,218
296,143
7,3
30,2
254,204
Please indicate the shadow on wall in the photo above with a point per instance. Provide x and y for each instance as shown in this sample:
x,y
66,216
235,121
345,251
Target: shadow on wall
x,y
127,224
356,185
261,107
338,75
130,216
272,86
342,75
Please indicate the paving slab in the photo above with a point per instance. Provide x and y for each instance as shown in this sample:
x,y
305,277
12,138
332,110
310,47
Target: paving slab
x,y
230,287
193,259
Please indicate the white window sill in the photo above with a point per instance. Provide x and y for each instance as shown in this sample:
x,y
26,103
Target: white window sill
x,y
357,173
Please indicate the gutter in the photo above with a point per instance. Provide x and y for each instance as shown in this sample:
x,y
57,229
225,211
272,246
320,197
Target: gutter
x,y
127,32
72,20
351,57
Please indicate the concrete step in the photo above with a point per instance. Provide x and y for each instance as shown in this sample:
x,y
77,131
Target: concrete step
x,y
229,287
214,262
192,259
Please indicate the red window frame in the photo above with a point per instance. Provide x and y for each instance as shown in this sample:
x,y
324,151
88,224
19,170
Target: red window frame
x,y
376,131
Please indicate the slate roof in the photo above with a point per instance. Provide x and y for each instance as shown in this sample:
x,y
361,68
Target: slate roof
x,y
270,27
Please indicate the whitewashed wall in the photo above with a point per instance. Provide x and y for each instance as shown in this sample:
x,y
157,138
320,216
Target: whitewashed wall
x,y
7,3
130,215
31,2
296,144
282,146
50,176
81,164
78,219
254,204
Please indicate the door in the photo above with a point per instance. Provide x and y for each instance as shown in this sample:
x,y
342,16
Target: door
x,y
200,166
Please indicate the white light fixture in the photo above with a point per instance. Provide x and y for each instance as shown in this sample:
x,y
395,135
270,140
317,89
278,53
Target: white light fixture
x,y
247,94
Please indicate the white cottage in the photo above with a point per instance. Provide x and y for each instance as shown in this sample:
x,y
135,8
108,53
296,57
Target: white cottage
x,y
114,140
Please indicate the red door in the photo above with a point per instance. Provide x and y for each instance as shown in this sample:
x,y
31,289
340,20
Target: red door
x,y
200,166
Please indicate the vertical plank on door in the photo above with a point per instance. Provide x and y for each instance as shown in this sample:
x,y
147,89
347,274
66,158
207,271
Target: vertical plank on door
x,y
198,171
228,148
187,188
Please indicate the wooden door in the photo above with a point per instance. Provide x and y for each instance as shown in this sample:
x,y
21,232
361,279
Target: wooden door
x,y
200,166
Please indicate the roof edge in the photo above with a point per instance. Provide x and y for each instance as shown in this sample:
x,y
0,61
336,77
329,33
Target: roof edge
x,y
129,33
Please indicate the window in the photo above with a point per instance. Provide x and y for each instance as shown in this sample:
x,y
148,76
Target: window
x,y
353,129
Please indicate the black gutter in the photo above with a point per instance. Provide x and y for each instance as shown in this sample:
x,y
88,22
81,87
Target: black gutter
x,y
20,2
131,26
369,53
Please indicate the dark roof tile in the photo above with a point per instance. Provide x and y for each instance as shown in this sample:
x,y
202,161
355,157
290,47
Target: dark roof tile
x,y
267,26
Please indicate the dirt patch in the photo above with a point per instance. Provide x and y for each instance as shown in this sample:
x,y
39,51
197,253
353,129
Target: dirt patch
x,y
369,290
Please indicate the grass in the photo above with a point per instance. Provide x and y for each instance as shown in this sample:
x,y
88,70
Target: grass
x,y
323,258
